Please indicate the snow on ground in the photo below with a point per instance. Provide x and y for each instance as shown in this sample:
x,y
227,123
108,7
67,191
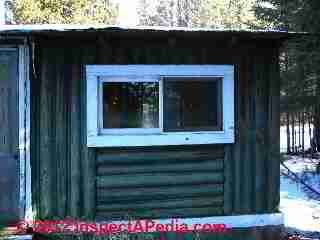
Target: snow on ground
x,y
283,137
299,210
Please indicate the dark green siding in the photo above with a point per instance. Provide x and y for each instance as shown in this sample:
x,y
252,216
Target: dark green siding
x,y
160,182
70,179
252,164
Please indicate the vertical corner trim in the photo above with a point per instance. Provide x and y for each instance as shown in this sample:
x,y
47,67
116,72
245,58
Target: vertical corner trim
x,y
24,133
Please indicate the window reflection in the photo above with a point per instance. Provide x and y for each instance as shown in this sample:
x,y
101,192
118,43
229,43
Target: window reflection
x,y
192,104
130,105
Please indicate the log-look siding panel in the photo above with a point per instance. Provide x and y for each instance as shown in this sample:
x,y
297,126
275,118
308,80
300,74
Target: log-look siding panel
x,y
70,180
160,182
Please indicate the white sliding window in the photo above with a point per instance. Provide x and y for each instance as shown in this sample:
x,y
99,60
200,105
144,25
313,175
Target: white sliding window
x,y
149,105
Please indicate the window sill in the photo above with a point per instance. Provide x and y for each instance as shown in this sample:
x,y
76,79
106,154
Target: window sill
x,y
164,139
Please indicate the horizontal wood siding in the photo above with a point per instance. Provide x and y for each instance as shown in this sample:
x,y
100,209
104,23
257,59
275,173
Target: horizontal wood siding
x,y
160,182
70,179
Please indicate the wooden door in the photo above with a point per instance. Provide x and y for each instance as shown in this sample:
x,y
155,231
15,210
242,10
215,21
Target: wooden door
x,y
9,131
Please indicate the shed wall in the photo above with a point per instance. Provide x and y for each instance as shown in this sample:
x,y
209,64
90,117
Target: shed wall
x,y
70,179
160,182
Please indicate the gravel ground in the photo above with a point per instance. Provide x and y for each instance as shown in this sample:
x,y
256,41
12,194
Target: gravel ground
x,y
296,234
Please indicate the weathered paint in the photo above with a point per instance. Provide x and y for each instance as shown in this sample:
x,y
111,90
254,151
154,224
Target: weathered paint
x,y
160,182
69,178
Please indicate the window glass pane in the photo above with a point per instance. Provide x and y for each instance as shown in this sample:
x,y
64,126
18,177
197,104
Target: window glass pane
x,y
130,105
192,104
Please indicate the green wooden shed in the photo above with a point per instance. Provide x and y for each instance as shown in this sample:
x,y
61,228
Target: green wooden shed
x,y
111,124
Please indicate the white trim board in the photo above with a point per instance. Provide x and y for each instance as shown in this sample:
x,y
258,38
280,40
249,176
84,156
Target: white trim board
x,y
27,105
22,129
97,137
240,221
24,133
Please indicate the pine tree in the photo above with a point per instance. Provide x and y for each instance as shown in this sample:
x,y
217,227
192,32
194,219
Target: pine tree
x,y
301,77
63,11
198,13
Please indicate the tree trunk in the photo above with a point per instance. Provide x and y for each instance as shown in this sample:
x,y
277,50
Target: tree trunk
x,y
316,126
303,123
288,133
309,124
292,133
299,130
316,117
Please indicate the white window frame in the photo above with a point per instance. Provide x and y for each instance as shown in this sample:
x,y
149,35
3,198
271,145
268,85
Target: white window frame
x,y
98,137
124,131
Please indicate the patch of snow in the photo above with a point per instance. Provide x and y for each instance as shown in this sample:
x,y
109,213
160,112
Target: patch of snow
x,y
283,137
300,212
298,165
